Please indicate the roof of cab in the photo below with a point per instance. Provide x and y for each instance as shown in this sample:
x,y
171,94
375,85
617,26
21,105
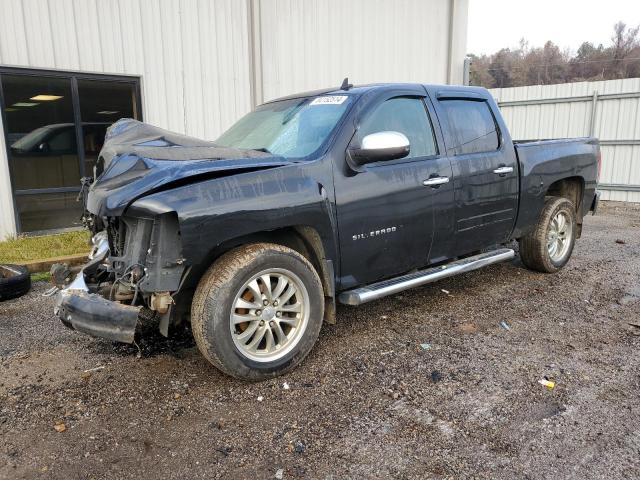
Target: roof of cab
x,y
361,89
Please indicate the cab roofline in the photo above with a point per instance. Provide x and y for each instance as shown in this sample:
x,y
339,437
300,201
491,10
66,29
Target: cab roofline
x,y
361,89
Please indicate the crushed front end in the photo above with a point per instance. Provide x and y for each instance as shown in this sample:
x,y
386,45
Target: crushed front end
x,y
135,269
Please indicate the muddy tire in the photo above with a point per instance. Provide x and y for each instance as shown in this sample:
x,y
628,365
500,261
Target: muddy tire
x,y
548,247
15,281
257,311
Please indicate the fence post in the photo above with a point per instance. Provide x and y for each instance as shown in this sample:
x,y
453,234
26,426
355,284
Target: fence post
x,y
594,105
466,70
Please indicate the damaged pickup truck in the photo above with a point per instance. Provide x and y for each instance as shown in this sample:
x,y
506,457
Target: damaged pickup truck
x,y
343,195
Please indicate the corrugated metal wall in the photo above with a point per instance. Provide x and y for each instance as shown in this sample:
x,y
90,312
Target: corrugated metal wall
x,y
192,55
566,110
202,65
316,43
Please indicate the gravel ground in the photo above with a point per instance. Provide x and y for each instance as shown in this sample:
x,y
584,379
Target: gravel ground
x,y
370,401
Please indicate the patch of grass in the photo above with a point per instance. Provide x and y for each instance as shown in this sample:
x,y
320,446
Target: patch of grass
x,y
26,249
41,277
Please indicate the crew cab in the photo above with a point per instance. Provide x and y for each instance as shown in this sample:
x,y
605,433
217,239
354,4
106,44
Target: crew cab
x,y
344,195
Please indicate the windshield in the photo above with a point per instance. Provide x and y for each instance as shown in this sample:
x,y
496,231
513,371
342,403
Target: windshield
x,y
291,128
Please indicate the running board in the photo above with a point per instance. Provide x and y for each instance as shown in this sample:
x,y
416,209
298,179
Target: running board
x,y
378,290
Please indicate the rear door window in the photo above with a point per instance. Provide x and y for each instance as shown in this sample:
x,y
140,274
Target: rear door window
x,y
472,126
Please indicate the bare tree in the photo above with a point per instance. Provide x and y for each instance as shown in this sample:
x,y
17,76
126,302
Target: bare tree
x,y
549,64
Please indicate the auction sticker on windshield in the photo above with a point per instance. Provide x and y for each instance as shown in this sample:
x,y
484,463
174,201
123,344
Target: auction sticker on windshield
x,y
329,100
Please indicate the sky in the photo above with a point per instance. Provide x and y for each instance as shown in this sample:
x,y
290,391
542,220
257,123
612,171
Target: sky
x,y
496,24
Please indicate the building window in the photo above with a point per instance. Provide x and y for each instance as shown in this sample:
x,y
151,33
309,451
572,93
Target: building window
x,y
54,125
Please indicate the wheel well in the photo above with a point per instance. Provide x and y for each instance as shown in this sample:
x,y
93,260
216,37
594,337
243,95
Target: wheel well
x,y
304,240
571,188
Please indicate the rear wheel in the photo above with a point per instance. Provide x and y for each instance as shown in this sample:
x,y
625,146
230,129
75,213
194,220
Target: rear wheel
x,y
548,247
258,310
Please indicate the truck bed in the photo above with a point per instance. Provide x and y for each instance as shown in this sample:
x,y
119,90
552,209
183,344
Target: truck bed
x,y
543,162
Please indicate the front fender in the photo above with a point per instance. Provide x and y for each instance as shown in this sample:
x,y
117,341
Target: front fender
x,y
216,211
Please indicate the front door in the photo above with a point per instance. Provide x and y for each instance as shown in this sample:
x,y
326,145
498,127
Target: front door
x,y
485,174
385,212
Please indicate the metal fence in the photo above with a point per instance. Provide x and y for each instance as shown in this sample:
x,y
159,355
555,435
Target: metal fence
x,y
609,110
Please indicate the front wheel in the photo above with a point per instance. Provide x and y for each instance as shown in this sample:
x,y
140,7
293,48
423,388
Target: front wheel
x,y
258,310
548,247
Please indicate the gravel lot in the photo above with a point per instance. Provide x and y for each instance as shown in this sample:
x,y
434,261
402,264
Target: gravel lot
x,y
369,402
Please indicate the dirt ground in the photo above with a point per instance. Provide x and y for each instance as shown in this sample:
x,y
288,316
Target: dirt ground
x,y
370,401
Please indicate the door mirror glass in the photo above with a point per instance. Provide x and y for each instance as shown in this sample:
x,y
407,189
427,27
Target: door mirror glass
x,y
375,147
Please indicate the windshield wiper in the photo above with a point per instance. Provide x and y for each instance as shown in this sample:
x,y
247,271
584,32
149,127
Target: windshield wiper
x,y
263,149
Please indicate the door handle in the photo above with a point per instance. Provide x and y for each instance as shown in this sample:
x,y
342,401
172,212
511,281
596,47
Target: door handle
x,y
435,181
503,170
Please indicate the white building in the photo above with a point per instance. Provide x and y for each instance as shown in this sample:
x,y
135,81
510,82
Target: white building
x,y
69,68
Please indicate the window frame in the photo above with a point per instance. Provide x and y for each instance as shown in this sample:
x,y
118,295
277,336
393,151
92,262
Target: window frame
x,y
73,77
484,101
398,161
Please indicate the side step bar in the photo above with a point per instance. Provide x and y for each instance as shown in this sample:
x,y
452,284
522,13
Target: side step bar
x,y
381,289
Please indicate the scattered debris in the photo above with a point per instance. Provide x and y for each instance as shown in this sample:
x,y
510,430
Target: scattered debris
x,y
224,450
384,317
286,386
176,396
436,376
300,447
425,346
95,369
60,427
468,328
50,292
445,291
387,353
547,383
620,241
505,325
279,473
61,274
260,398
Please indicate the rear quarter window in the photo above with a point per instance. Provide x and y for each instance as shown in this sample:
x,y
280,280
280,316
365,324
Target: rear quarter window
x,y
473,127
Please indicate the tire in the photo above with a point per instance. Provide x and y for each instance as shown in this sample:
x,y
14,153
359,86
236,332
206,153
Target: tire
x,y
227,287
536,248
15,281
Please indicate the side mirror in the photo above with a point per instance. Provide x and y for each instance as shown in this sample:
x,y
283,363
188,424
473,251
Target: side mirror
x,y
379,146
43,147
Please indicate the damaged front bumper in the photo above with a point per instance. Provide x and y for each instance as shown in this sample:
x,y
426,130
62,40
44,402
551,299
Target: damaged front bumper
x,y
90,313
95,315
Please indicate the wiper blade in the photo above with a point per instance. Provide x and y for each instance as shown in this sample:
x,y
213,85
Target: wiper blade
x,y
263,149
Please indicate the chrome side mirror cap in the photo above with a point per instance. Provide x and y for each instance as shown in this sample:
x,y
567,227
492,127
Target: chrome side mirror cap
x,y
379,146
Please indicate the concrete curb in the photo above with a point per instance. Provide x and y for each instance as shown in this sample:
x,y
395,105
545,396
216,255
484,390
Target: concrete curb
x,y
37,266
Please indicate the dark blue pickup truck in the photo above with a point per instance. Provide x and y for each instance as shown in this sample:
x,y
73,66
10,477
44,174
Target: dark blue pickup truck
x,y
342,195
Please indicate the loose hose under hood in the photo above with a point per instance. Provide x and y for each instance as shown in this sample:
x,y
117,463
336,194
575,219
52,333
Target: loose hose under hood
x,y
138,159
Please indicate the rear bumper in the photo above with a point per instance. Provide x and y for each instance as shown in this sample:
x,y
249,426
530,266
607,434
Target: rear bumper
x,y
95,315
595,202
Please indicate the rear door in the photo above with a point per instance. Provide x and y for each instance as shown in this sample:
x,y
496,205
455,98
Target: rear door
x,y
485,171
385,211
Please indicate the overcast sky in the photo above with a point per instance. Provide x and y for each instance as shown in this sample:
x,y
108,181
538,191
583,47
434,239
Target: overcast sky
x,y
496,24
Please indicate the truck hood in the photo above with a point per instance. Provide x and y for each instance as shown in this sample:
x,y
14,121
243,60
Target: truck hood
x,y
138,159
